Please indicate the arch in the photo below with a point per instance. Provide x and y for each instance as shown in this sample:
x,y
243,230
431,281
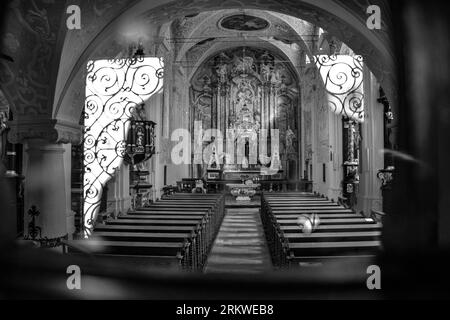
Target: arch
x,y
332,16
264,44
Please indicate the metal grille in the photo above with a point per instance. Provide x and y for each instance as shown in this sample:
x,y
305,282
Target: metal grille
x,y
343,79
114,88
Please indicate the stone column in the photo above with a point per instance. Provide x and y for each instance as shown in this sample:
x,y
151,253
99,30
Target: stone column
x,y
45,186
70,215
47,171
119,200
371,158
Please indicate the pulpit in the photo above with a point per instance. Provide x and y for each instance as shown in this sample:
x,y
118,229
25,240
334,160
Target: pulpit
x,y
140,148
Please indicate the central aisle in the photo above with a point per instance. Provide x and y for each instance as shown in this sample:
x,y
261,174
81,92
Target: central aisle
x,y
240,246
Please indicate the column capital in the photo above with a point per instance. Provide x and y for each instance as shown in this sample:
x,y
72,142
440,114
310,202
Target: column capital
x,y
50,130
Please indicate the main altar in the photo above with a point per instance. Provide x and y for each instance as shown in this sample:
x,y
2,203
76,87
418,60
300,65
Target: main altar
x,y
250,97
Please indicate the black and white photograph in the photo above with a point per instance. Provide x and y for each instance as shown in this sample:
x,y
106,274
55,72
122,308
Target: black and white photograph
x,y
224,156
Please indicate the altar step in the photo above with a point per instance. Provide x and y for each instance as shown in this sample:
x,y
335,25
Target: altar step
x,y
240,246
231,202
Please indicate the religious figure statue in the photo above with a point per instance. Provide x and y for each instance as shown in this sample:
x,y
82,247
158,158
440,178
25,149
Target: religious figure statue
x,y
3,121
266,72
140,137
267,66
222,72
206,83
275,163
244,163
214,159
243,66
290,137
3,137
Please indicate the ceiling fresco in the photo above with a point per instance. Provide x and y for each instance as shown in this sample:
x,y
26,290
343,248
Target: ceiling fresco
x,y
243,22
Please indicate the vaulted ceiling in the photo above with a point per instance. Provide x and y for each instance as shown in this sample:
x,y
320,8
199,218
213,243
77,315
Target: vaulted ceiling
x,y
46,82
195,38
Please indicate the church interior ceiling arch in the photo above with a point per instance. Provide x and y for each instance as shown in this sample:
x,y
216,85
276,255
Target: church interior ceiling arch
x,y
108,19
189,32
104,17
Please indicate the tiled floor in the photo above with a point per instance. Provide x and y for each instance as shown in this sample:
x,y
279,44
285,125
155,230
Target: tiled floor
x,y
240,246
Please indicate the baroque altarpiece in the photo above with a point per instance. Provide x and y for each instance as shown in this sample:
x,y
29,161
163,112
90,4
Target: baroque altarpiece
x,y
248,89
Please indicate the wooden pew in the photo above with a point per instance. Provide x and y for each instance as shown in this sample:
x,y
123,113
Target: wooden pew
x,y
166,253
126,228
199,241
341,233
185,224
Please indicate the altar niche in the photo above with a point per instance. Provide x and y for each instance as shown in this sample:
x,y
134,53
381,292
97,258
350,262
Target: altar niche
x,y
248,89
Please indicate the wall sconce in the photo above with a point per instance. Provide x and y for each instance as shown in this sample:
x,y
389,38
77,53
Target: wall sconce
x,y
386,176
388,114
135,52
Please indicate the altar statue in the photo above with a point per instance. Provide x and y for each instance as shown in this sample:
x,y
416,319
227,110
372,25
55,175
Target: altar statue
x,y
222,72
290,137
275,163
214,159
244,163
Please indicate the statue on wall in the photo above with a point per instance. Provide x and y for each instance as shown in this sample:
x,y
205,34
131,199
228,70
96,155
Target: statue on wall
x,y
290,137
4,117
243,65
222,73
3,121
267,66
275,163
213,159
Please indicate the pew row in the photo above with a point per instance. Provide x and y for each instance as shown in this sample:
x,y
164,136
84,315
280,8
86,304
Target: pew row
x,y
172,231
341,233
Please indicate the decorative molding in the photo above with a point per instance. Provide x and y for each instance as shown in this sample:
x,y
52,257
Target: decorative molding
x,y
50,130
49,242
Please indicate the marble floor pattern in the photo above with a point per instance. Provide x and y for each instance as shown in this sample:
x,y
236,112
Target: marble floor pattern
x,y
240,246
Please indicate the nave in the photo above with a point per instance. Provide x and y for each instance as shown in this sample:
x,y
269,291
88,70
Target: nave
x,y
197,232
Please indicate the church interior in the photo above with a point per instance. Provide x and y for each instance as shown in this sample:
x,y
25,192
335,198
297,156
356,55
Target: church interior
x,y
184,148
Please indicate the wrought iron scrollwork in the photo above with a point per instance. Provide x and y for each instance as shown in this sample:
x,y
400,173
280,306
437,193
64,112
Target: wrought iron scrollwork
x,y
343,79
114,89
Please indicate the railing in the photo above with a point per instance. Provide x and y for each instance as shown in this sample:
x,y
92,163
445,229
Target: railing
x,y
266,185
